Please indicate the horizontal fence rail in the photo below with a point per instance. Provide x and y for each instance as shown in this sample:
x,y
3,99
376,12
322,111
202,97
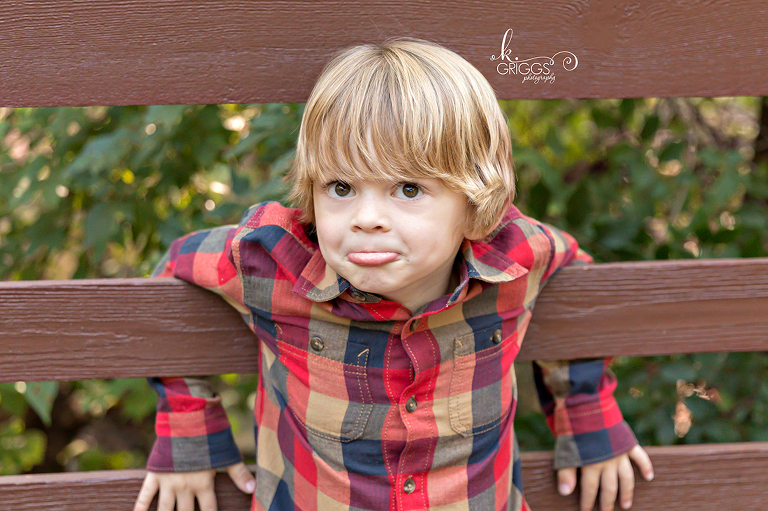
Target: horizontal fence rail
x,y
117,328
130,52
67,330
700,477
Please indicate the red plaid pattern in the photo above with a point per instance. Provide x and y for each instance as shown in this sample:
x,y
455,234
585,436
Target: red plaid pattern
x,y
365,405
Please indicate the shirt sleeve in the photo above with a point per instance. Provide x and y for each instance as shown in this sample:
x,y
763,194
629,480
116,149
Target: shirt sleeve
x,y
577,395
191,426
192,429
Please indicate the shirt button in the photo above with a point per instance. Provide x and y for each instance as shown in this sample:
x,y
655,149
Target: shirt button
x,y
414,325
358,295
411,404
409,486
496,337
317,344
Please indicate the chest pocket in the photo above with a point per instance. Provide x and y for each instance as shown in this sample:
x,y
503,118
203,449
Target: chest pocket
x,y
326,386
483,385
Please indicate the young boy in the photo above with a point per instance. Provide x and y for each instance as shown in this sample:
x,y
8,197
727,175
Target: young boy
x,y
389,307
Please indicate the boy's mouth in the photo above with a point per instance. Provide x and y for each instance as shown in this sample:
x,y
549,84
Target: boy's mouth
x,y
372,258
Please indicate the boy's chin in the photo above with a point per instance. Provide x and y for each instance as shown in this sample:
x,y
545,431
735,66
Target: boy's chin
x,y
379,290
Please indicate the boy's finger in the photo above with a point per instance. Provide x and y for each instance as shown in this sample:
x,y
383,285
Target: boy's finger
x,y
643,462
185,501
590,481
609,487
626,483
566,481
207,500
148,490
166,501
242,477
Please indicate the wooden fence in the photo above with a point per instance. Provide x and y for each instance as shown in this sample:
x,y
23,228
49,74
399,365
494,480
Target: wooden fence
x,y
90,52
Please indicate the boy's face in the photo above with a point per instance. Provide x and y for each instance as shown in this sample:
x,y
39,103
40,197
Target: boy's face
x,y
397,240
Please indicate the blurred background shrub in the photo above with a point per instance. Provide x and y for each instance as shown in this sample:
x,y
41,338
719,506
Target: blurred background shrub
x,y
101,192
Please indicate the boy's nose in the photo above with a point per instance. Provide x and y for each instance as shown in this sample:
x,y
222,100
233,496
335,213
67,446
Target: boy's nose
x,y
371,215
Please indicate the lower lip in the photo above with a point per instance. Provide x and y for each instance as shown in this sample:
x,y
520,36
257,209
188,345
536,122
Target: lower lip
x,y
372,258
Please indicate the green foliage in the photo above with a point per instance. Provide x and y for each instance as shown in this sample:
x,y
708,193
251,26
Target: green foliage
x,y
21,448
639,179
40,396
101,192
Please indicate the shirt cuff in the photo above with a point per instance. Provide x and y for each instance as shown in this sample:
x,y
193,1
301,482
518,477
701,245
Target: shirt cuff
x,y
191,441
590,433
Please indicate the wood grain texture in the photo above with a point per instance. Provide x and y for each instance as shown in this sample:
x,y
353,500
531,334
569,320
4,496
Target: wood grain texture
x,y
106,490
70,330
700,477
651,308
92,52
697,477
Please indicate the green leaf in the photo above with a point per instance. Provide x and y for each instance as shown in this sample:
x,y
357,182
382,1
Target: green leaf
x,y
165,117
272,190
701,409
208,150
626,109
539,197
246,144
604,118
724,187
650,127
618,235
40,396
673,151
11,400
579,205
677,371
282,164
101,225
101,153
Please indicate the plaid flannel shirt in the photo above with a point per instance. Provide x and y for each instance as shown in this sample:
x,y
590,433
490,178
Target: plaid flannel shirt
x,y
365,405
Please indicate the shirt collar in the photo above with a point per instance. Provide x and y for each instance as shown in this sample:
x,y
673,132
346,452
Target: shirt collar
x,y
319,282
478,260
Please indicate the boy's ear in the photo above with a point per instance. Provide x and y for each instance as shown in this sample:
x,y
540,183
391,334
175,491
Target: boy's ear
x,y
475,234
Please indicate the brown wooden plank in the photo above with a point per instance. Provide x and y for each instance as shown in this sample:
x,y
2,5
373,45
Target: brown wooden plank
x,y
106,490
702,477
91,52
651,308
69,330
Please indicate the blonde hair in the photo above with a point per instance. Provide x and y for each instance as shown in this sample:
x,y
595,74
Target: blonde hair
x,y
402,110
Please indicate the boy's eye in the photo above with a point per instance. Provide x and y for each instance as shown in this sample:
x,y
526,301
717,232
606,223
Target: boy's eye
x,y
409,190
339,189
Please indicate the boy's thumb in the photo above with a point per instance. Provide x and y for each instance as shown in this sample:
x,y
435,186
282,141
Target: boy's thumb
x,y
242,477
566,481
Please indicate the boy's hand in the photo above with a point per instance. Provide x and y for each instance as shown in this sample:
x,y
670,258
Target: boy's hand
x,y
180,489
611,476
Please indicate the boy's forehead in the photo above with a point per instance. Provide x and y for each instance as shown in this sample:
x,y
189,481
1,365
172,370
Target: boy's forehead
x,y
370,163
381,174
